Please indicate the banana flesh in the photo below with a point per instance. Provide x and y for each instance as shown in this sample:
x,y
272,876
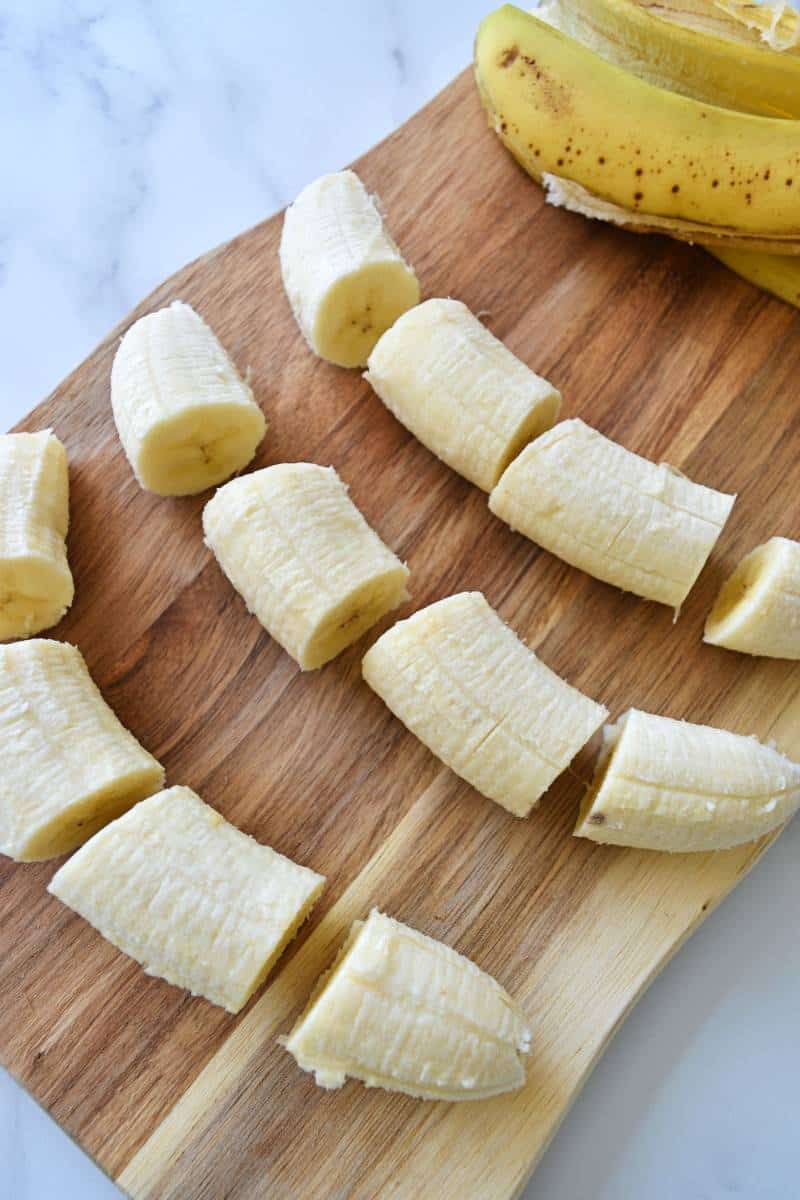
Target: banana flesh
x,y
638,525
694,49
662,784
404,1012
563,110
344,276
193,899
476,696
300,553
459,390
185,417
758,609
36,586
67,765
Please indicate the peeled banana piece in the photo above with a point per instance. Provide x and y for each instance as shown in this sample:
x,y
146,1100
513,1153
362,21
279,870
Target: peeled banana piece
x,y
67,765
36,587
185,417
307,564
345,278
193,899
698,171
662,784
639,525
758,608
401,1011
460,390
475,695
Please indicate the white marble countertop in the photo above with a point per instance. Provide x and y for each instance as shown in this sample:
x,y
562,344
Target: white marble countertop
x,y
136,136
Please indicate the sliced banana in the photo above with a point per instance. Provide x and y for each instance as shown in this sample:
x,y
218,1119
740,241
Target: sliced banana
x,y
344,276
36,587
460,390
401,1011
758,609
67,765
185,417
307,564
662,784
464,683
193,899
643,527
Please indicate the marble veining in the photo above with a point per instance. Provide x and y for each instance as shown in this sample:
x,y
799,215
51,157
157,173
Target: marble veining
x,y
136,136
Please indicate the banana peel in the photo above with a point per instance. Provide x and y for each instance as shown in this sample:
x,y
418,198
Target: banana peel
x,y
697,48
707,173
691,47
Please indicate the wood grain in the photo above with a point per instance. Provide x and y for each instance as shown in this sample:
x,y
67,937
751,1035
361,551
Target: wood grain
x,y
657,346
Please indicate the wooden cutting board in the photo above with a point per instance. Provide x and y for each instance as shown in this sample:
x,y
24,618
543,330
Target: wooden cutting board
x,y
657,346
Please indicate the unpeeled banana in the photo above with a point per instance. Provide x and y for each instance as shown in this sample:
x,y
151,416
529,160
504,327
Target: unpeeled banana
x,y
474,694
36,586
67,765
401,1011
193,899
185,417
643,527
307,564
758,608
345,278
460,390
662,784
657,159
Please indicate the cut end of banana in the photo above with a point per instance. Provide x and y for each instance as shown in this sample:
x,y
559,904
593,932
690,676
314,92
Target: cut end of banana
x,y
641,526
662,784
193,899
67,765
186,419
36,586
401,1011
345,278
459,390
359,308
193,451
475,695
757,610
35,593
300,553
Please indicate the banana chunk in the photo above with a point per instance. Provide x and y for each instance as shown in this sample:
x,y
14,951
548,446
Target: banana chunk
x,y
475,695
662,784
67,765
643,527
193,899
758,609
36,587
307,564
401,1011
459,390
185,417
345,278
